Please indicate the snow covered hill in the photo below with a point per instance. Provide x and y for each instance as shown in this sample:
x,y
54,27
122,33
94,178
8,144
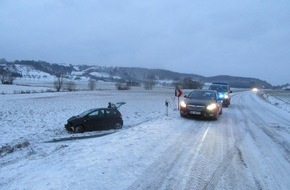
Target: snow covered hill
x,y
40,70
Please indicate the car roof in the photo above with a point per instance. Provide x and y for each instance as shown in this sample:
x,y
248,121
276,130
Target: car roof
x,y
204,90
96,109
104,108
220,83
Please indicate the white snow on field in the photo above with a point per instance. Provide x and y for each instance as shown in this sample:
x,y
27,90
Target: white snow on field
x,y
18,89
30,122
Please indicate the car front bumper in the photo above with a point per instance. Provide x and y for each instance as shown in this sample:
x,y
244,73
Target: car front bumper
x,y
69,127
226,102
198,112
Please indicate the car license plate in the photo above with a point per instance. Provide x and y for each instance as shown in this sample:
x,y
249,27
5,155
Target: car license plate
x,y
195,112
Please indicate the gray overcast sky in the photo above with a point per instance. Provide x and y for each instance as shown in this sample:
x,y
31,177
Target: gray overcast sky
x,y
249,38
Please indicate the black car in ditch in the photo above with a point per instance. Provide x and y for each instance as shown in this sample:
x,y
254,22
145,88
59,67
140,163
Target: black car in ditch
x,y
95,119
203,103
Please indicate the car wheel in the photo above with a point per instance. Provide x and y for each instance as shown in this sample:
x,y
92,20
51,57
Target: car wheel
x,y
216,116
221,112
79,129
117,126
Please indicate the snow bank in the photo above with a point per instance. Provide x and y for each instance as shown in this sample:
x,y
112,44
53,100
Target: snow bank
x,y
275,100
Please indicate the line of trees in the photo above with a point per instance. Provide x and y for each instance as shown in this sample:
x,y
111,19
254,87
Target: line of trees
x,y
60,83
187,83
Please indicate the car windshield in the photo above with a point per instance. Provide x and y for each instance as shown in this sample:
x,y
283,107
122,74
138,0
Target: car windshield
x,y
204,95
86,112
219,88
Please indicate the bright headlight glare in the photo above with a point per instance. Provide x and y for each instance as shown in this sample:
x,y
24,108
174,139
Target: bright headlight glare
x,y
221,95
183,104
211,107
226,96
255,89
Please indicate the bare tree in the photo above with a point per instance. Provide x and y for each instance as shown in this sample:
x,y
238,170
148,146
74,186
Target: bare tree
x,y
176,82
149,82
58,82
6,78
10,79
188,83
70,85
92,84
2,78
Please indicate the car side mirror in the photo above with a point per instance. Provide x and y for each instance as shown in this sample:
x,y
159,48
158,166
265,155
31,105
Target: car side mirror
x,y
231,91
185,96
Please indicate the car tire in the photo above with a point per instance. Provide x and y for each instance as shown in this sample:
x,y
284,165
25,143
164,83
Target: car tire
x,y
216,116
227,104
221,112
117,125
79,129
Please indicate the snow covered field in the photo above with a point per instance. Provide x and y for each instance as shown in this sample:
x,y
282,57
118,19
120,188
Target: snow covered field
x,y
247,148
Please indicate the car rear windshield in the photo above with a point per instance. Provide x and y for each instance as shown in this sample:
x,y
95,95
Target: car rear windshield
x,y
219,88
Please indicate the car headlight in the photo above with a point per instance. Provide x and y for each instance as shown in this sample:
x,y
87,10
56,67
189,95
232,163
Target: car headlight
x,y
255,89
182,104
221,95
226,96
211,107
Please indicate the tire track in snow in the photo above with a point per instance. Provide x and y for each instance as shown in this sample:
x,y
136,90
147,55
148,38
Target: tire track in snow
x,y
227,147
215,178
162,174
185,166
268,144
264,126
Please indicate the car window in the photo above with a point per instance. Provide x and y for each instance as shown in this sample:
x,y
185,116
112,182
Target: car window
x,y
219,88
85,113
213,87
97,113
110,112
224,88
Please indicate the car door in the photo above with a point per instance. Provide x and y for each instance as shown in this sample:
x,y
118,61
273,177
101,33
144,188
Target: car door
x,y
111,117
96,120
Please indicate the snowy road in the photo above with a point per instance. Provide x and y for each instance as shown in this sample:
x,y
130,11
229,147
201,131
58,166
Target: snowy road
x,y
247,148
